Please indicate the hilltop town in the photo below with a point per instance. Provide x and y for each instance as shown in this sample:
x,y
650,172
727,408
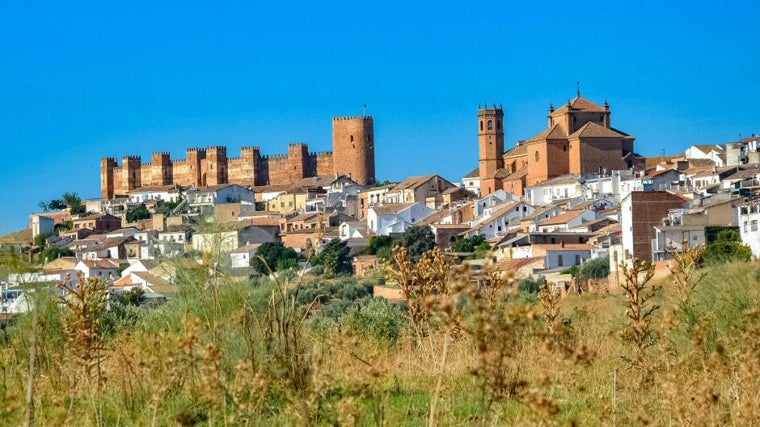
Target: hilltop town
x,y
575,192
299,289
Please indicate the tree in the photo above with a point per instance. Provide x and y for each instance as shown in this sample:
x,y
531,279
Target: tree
x,y
43,206
138,213
727,247
417,240
166,208
74,202
274,255
335,258
468,244
50,254
56,205
380,246
597,268
40,240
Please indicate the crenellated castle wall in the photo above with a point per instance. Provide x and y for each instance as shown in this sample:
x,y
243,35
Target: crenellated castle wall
x,y
353,146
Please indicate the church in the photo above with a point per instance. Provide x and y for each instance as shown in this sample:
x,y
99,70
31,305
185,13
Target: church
x,y
579,140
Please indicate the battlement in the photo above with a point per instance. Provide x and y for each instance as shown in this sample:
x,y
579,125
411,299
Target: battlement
x,y
340,118
211,166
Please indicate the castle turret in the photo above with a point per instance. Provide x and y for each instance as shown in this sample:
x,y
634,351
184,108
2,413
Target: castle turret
x,y
161,169
107,179
298,155
195,175
354,148
216,165
131,173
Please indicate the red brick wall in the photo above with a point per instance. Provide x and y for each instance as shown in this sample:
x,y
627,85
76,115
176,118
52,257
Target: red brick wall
x,y
648,209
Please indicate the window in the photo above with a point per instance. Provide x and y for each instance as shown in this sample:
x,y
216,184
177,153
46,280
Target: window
x,y
560,262
490,125
536,156
481,125
352,138
577,260
753,225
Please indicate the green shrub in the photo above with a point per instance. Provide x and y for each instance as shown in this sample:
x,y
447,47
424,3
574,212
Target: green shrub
x,y
376,318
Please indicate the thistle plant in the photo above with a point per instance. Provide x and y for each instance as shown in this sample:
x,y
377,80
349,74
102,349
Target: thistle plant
x,y
640,309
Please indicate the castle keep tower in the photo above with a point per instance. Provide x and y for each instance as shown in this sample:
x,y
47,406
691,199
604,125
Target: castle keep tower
x,y
491,143
354,148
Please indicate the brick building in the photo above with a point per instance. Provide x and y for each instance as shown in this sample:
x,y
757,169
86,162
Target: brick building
x,y
640,212
579,140
353,155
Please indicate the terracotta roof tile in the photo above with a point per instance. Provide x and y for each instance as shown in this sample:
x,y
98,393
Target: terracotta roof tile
x,y
593,130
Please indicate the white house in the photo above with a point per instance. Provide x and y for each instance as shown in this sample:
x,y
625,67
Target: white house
x,y
560,188
165,193
714,152
396,217
749,215
500,219
669,237
219,194
42,224
102,269
496,198
241,257
565,221
618,184
471,181
352,230
558,255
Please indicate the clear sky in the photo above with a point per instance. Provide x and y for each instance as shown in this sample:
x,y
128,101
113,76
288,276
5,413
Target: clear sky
x,y
80,81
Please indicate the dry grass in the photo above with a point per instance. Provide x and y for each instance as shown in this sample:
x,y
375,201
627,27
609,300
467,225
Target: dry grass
x,y
487,357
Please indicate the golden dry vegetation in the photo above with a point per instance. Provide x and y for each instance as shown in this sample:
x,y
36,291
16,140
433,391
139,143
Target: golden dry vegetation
x,y
684,350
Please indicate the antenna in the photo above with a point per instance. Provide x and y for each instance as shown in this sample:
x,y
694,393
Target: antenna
x,y
578,88
365,109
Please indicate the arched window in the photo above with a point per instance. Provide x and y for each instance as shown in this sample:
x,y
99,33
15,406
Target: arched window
x,y
490,125
536,156
481,125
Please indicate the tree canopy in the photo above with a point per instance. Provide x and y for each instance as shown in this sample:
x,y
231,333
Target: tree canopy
x,y
275,255
727,247
138,213
335,258
417,240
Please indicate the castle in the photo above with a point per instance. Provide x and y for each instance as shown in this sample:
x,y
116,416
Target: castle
x,y
579,140
353,155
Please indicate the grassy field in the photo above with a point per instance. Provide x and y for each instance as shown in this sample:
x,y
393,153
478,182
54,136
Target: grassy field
x,y
231,353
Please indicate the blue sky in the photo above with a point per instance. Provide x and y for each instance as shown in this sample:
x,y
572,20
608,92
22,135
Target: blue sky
x,y
82,81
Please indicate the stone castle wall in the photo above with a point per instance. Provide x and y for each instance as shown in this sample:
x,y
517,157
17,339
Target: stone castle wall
x,y
353,154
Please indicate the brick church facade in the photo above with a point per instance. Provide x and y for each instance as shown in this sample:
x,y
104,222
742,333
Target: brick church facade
x,y
353,154
579,140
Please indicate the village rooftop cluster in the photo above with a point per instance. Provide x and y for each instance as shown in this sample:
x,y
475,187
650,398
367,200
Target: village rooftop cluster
x,y
575,192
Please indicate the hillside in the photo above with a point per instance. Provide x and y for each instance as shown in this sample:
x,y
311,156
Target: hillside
x,y
229,353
